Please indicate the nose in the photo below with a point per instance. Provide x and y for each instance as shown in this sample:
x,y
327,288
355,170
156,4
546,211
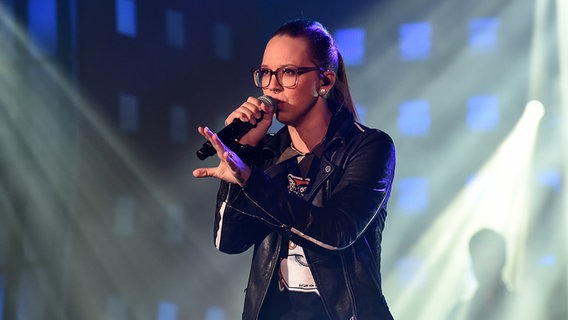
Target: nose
x,y
274,85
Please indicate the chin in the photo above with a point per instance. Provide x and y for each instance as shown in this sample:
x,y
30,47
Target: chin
x,y
285,120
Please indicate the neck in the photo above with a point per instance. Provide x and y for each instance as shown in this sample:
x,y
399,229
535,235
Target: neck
x,y
306,137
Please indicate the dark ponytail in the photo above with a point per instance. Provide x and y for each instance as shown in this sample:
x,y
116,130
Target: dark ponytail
x,y
324,54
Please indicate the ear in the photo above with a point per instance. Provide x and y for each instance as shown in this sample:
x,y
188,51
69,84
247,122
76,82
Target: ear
x,y
328,79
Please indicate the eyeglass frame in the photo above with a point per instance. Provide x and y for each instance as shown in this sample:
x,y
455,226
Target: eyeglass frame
x,y
298,71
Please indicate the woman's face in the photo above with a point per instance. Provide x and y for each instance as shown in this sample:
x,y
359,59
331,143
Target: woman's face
x,y
299,104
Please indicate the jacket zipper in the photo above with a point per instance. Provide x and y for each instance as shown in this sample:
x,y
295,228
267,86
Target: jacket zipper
x,y
349,289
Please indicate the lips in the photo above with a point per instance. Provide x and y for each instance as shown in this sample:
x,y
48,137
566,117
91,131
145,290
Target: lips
x,y
277,105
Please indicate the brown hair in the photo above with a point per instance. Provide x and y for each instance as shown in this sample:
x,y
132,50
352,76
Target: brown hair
x,y
325,54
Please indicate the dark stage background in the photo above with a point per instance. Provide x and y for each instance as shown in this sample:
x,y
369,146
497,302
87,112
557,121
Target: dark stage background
x,y
99,107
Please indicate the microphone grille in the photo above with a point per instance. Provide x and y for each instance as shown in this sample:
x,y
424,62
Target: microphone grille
x,y
268,100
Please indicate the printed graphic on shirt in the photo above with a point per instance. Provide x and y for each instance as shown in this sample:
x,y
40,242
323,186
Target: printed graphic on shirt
x,y
294,273
297,185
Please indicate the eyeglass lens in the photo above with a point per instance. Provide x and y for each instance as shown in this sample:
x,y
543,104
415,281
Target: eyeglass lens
x,y
286,77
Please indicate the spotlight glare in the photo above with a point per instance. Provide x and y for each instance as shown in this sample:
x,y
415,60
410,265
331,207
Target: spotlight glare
x,y
534,110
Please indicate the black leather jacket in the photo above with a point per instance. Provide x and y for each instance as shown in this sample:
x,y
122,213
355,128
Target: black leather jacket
x,y
339,222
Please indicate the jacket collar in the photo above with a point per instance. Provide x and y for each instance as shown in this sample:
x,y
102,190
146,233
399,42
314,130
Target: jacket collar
x,y
339,127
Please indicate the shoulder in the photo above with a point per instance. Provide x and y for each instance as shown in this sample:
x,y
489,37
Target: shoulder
x,y
368,146
350,130
362,133
378,133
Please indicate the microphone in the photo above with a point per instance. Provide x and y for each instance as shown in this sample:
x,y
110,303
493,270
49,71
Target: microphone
x,y
233,132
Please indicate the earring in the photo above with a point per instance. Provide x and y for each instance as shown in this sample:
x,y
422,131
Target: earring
x,y
322,92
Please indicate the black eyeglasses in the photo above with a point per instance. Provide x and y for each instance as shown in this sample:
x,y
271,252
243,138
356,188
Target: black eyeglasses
x,y
286,76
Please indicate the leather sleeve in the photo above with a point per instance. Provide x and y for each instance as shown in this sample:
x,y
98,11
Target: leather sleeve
x,y
234,232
